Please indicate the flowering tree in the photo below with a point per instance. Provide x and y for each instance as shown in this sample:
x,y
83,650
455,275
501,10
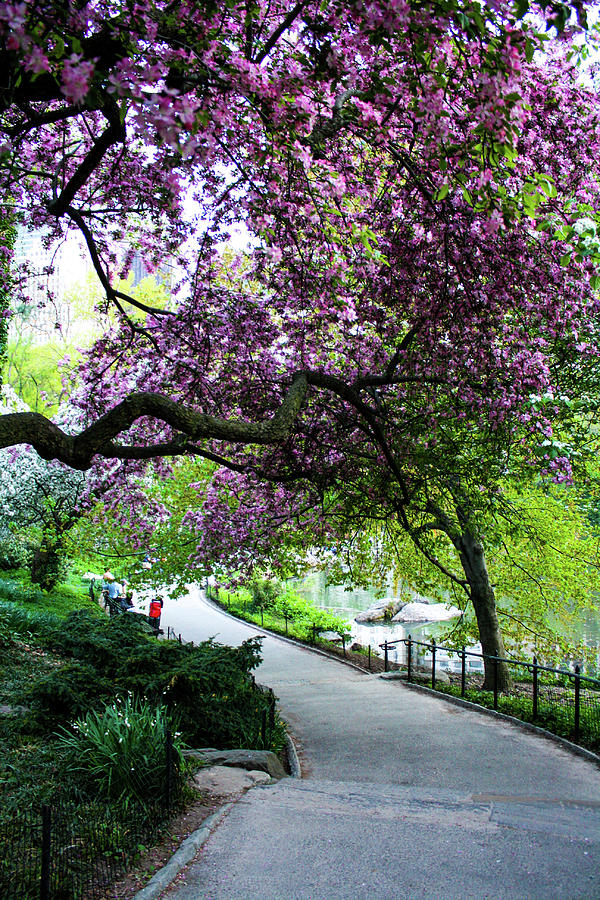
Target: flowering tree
x,y
40,502
419,193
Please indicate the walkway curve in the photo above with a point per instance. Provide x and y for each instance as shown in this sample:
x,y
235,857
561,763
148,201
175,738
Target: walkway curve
x,y
403,795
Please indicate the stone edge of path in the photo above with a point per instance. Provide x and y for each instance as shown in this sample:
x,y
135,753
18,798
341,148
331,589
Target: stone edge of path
x,y
524,726
188,848
161,880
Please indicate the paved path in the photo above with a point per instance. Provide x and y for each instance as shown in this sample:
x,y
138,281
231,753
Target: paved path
x,y
404,796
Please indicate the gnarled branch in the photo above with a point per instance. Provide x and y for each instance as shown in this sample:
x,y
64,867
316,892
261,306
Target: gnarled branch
x,y
77,451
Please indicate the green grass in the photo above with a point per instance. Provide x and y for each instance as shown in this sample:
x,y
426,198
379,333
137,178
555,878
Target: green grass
x,y
16,587
304,620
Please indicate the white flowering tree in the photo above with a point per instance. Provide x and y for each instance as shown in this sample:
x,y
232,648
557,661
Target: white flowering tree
x,y
40,501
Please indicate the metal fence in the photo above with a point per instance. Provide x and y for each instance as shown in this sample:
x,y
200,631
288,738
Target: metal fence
x,y
562,701
70,852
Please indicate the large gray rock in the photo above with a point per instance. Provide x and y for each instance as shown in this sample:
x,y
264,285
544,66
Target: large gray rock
x,y
426,612
224,781
380,610
252,760
331,636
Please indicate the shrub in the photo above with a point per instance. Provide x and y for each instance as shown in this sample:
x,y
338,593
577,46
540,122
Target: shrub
x,y
121,751
67,692
264,591
14,554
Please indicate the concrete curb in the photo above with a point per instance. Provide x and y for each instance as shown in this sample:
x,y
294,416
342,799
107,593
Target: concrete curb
x,y
293,760
519,723
161,880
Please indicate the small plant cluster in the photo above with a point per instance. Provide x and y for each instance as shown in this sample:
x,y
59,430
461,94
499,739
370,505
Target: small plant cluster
x,y
116,751
279,608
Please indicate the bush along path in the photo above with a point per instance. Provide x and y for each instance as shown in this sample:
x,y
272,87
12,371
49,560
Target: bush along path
x,y
282,611
95,715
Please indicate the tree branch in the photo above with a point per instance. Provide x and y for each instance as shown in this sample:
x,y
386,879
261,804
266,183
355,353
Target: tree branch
x,y
77,451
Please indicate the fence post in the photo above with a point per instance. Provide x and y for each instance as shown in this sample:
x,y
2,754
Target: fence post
x,y
344,643
314,633
369,657
535,687
46,852
272,712
409,659
169,765
577,701
180,641
463,672
385,656
433,664
495,658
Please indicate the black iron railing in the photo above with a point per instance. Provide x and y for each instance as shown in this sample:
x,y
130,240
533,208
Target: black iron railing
x,y
76,852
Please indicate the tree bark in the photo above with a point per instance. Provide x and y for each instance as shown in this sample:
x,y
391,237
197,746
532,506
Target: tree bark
x,y
78,451
482,595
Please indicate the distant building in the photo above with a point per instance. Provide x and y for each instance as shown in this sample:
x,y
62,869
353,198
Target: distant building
x,y
50,275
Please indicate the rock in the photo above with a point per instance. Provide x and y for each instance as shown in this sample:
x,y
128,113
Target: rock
x,y
332,636
419,676
252,760
426,612
380,610
222,781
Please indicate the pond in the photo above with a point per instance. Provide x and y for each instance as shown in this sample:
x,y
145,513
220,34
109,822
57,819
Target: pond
x,y
347,603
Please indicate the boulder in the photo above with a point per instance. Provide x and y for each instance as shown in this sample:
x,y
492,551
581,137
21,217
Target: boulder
x,y
252,760
380,610
227,780
331,636
426,612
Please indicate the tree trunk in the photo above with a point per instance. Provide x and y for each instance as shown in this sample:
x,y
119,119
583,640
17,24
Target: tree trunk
x,y
483,599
